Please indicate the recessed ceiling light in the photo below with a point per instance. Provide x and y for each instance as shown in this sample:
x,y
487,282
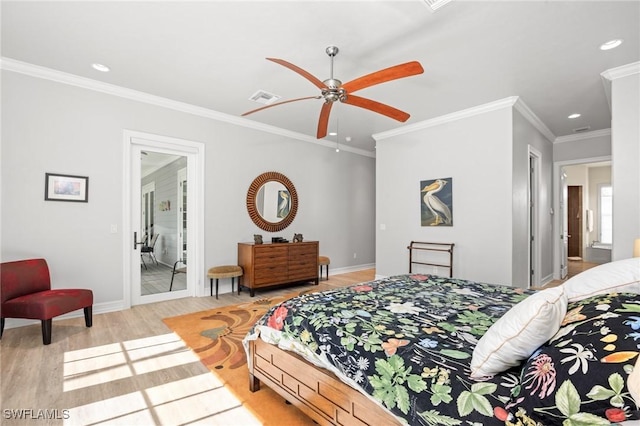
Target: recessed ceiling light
x,y
576,115
611,44
101,67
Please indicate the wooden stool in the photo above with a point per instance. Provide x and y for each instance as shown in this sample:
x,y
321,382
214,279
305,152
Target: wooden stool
x,y
324,260
224,271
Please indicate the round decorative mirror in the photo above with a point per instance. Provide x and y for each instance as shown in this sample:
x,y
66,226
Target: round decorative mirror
x,y
272,201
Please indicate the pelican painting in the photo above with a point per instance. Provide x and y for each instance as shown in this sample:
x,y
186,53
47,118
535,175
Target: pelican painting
x,y
436,209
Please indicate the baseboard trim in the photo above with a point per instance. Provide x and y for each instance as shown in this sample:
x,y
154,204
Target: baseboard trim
x,y
98,308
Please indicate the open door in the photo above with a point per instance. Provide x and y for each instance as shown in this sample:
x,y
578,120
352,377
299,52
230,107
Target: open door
x,y
170,244
564,233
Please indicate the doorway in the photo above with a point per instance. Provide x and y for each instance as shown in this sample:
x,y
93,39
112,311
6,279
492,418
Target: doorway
x,y
588,174
534,186
162,221
153,210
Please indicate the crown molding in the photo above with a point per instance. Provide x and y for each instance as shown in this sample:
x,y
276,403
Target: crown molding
x,y
37,71
447,118
622,71
510,102
582,136
532,118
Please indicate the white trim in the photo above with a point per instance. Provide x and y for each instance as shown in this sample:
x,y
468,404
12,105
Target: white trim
x,y
621,71
447,118
534,222
111,89
581,136
98,308
557,226
535,121
512,101
195,152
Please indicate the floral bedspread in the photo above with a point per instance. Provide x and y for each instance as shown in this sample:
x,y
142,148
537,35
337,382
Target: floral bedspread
x,y
406,341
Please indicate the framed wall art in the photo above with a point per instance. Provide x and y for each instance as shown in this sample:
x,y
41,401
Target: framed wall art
x,y
59,187
436,202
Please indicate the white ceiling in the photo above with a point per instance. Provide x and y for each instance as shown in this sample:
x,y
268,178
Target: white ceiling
x,y
212,54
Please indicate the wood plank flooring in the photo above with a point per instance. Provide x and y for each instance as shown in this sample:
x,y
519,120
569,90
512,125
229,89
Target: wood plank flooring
x,y
129,368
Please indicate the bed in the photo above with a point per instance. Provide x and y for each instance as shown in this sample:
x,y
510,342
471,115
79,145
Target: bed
x,y
428,350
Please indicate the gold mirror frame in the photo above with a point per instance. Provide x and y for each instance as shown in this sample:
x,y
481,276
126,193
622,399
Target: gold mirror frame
x,y
257,183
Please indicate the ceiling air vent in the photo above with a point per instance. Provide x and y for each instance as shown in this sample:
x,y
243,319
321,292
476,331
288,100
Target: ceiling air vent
x,y
582,129
263,97
436,4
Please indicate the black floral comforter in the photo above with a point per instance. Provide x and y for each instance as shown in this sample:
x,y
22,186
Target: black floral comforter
x,y
407,342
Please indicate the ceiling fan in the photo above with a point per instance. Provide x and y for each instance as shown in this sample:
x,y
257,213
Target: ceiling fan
x,y
333,90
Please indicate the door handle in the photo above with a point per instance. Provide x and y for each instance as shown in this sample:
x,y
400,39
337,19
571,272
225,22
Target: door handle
x,y
135,240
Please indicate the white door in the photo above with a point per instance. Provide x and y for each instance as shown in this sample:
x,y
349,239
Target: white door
x,y
564,225
182,216
135,144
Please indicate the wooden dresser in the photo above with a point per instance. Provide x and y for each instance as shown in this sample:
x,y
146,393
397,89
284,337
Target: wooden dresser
x,y
271,264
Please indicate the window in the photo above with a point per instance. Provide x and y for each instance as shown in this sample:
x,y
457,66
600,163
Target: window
x,y
606,214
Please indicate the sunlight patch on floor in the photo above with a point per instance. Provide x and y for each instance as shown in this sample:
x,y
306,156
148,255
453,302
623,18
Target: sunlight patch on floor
x,y
201,399
101,364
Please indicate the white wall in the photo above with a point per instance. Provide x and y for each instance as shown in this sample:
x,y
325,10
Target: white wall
x,y
54,127
625,168
592,145
476,152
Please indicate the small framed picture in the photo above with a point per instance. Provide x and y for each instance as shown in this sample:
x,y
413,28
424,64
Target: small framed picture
x,y
66,188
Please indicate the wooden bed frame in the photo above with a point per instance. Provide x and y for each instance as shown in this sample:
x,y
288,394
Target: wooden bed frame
x,y
315,391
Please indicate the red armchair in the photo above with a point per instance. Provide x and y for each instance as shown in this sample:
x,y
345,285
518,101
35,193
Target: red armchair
x,y
25,292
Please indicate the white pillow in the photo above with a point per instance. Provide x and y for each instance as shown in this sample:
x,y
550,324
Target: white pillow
x,y
519,332
621,276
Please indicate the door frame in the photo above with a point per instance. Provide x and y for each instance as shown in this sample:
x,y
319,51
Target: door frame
x,y
558,226
533,219
133,143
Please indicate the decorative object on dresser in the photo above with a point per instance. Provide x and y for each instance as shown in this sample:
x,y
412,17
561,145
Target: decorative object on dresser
x,y
257,238
267,265
272,201
297,238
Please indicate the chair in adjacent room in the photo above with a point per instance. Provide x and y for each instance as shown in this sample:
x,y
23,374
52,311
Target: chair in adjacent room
x,y
25,292
149,250
180,267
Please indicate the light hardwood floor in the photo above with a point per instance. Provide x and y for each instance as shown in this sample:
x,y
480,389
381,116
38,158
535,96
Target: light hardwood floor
x,y
129,368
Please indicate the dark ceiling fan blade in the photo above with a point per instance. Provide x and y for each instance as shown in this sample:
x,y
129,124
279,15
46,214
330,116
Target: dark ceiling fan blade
x,y
319,84
280,103
323,122
378,107
392,73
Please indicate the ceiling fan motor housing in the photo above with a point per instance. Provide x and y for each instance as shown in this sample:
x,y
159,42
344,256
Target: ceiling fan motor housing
x,y
334,91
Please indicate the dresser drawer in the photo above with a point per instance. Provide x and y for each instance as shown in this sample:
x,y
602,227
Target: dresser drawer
x,y
266,255
297,249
